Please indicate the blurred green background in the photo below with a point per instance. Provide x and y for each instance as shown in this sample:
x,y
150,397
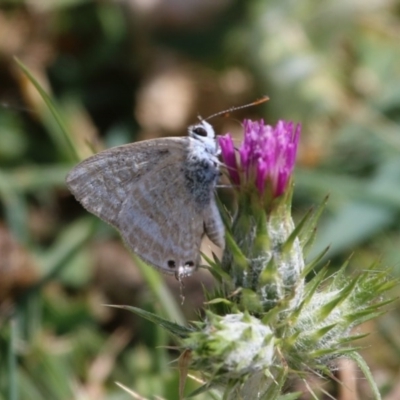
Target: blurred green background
x,y
126,70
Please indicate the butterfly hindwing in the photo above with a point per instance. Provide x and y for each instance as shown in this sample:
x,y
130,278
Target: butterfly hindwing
x,y
160,221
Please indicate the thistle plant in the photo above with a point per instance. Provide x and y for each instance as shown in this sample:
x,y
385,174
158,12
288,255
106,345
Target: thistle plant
x,y
265,323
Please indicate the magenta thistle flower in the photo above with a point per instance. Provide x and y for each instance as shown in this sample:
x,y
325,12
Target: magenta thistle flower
x,y
267,154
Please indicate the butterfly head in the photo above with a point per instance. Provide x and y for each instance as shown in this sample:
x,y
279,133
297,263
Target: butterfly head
x,y
204,133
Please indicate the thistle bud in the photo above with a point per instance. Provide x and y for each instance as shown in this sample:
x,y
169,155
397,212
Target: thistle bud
x,y
269,262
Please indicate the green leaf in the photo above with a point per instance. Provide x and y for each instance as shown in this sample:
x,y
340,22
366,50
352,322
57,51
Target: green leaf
x,y
367,373
309,267
12,362
362,316
307,236
226,218
269,274
250,301
339,277
202,389
320,333
238,257
290,396
72,239
159,288
215,269
33,177
63,139
312,286
15,207
274,390
353,338
296,232
335,352
327,308
175,329
219,301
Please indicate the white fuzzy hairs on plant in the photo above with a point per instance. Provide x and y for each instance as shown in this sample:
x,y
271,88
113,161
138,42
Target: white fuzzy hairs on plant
x,y
249,344
310,322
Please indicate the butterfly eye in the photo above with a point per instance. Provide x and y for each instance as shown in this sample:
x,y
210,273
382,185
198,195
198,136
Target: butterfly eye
x,y
200,131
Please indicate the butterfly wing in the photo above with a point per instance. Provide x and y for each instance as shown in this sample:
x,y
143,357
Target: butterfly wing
x,y
140,189
161,222
102,182
213,225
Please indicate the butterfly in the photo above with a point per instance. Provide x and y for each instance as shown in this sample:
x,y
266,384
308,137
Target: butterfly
x,y
159,194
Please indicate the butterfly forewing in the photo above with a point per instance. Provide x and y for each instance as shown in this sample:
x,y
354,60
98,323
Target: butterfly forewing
x,y
102,182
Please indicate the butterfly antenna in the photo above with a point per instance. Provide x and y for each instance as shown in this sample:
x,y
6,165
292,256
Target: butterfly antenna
x,y
229,110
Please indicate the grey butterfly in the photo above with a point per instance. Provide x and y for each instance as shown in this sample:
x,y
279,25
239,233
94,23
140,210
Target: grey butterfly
x,y
159,194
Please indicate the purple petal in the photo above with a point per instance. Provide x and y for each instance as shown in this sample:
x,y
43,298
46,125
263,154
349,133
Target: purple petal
x,y
268,153
229,157
261,175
